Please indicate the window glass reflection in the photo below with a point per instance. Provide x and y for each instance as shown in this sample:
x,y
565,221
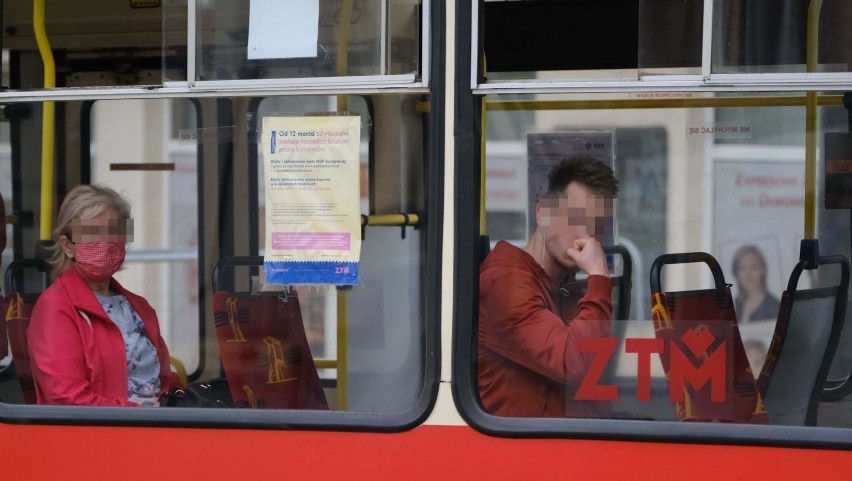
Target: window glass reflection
x,y
760,36
727,182
370,38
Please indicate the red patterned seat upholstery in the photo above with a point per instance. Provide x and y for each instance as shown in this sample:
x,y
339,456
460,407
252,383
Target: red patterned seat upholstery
x,y
265,352
17,313
18,307
700,327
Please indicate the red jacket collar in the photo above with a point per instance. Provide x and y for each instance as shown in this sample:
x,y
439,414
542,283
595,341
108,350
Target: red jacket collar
x,y
81,296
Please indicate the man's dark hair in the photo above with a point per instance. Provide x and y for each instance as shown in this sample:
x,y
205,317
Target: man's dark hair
x,y
585,170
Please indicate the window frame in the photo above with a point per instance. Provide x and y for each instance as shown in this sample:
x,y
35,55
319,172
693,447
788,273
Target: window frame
x,y
468,254
434,17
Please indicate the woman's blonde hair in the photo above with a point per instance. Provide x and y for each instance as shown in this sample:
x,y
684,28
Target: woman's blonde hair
x,y
88,200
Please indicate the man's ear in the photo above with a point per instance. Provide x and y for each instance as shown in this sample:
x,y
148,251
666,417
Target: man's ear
x,y
542,215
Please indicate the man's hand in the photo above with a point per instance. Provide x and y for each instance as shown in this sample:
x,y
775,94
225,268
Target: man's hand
x,y
589,256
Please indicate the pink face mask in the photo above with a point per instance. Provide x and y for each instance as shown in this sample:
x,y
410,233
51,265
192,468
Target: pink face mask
x,y
98,261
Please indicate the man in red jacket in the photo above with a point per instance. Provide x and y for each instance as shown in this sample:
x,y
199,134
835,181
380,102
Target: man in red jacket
x,y
531,310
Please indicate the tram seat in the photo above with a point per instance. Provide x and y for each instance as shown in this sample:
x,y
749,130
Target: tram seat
x,y
263,345
675,314
18,308
803,345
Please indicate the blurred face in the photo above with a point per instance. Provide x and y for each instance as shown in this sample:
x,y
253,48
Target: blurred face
x,y
108,226
579,212
98,244
750,274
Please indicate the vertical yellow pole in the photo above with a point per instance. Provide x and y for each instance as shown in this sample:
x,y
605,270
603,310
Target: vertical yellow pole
x,y
342,106
343,49
47,123
811,122
483,171
341,350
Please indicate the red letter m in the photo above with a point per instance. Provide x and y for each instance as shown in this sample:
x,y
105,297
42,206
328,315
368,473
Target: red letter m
x,y
712,370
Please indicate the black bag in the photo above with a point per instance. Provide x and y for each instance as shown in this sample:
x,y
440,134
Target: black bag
x,y
214,393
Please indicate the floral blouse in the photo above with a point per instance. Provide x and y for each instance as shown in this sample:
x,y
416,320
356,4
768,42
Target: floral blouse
x,y
143,366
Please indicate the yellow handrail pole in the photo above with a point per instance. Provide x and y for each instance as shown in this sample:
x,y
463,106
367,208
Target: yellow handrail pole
x,y
482,169
47,123
342,106
180,369
391,219
343,49
811,122
482,156
341,350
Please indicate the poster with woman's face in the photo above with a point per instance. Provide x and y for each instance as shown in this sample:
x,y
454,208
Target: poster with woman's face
x,y
752,265
758,203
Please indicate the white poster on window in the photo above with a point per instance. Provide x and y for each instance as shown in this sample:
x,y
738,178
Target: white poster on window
x,y
283,29
769,201
313,215
758,223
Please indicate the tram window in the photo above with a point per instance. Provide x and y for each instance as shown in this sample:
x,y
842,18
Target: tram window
x,y
772,37
148,45
319,312
607,39
128,43
728,181
676,48
747,37
236,43
382,325
134,151
520,49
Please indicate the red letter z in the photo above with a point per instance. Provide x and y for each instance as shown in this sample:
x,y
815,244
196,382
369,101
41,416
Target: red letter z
x,y
589,389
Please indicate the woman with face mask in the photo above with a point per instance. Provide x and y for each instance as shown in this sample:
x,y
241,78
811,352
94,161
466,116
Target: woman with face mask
x,y
92,342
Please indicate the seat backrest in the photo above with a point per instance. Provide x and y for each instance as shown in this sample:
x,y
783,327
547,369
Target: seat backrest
x,y
18,308
17,312
263,346
680,315
622,284
803,346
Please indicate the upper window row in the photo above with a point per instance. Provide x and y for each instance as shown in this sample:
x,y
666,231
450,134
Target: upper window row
x,y
161,42
634,39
